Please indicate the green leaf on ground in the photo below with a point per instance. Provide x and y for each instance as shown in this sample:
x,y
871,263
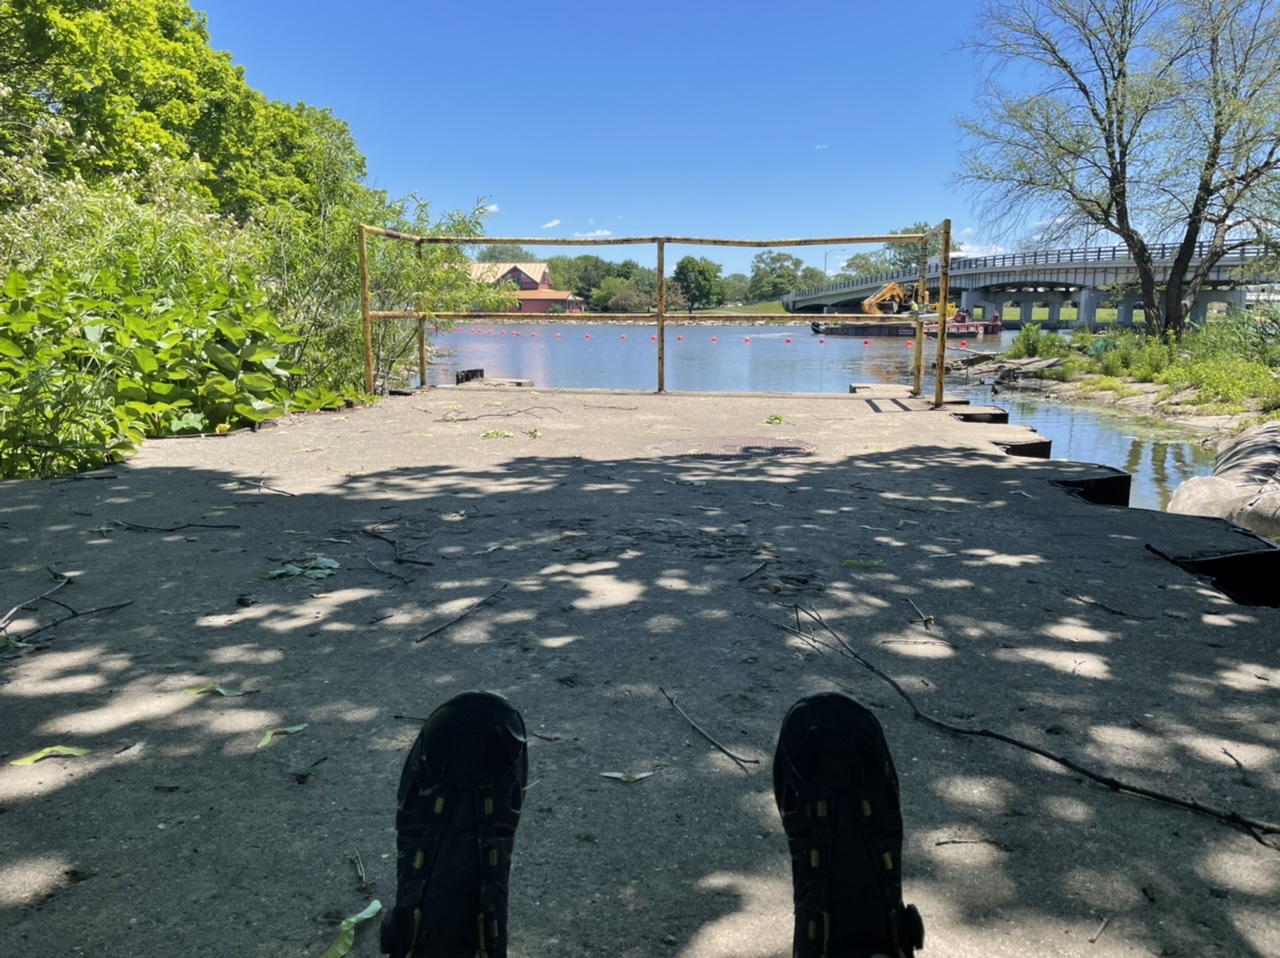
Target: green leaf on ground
x,y
497,434
626,776
319,567
52,750
863,563
214,687
774,420
347,931
280,730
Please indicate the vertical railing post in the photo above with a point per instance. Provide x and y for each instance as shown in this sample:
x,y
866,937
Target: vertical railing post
x,y
662,317
364,311
922,299
422,333
944,290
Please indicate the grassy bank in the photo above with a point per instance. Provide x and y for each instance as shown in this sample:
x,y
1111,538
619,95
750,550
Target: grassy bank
x,y
1230,366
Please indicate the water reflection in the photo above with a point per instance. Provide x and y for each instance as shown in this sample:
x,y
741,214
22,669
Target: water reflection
x,y
791,359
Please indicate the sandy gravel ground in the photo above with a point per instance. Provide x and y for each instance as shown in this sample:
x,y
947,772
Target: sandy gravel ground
x,y
577,564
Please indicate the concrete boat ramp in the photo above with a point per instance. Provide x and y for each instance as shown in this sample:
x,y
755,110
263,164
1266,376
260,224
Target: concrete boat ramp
x,y
577,552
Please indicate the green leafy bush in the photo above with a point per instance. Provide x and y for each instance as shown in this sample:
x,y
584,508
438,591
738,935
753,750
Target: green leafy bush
x,y
1226,381
87,369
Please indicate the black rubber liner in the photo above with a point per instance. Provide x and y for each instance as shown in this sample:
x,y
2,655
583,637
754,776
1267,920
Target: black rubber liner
x,y
1246,578
995,416
1108,490
1031,448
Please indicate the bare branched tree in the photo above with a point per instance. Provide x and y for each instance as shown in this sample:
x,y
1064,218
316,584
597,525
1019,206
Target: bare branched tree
x,y
1154,121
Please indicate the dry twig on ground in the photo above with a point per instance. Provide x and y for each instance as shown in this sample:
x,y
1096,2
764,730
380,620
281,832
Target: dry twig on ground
x,y
742,762
1256,829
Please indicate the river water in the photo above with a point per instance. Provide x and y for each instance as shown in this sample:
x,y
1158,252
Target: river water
x,y
791,359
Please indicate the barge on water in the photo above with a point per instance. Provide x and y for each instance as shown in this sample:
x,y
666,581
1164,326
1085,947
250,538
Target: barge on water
x,y
863,329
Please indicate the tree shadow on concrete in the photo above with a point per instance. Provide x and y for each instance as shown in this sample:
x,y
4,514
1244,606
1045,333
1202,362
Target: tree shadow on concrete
x,y
1052,622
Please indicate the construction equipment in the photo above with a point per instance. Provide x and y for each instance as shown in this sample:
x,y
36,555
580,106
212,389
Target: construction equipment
x,y
891,298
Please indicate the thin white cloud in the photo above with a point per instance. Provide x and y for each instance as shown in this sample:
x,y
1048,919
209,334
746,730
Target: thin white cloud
x,y
822,146
491,208
975,250
547,226
593,233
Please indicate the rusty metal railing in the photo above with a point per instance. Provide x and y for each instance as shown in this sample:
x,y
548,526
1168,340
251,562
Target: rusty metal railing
x,y
422,317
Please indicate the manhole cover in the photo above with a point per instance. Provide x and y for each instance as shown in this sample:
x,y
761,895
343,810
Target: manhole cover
x,y
733,447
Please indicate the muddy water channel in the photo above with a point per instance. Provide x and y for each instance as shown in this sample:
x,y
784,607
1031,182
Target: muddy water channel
x,y
791,359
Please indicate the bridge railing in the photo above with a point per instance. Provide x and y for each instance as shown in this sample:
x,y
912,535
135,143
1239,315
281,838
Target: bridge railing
x,y
1161,253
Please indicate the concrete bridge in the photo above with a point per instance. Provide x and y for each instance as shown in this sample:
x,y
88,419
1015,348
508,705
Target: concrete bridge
x,y
1087,278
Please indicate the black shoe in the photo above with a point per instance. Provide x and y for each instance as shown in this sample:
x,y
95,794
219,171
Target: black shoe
x,y
459,804
837,792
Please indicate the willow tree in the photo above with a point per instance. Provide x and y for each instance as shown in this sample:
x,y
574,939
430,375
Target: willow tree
x,y
1154,121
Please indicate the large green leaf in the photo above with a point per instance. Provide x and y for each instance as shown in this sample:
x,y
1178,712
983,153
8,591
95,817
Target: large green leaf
x,y
347,931
52,750
15,285
145,359
9,348
223,358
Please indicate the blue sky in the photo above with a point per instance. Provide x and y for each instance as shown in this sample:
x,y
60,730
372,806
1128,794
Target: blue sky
x,y
749,120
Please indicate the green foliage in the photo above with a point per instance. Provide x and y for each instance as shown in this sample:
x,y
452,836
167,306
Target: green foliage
x,y
88,369
699,277
1107,384
1225,381
504,253
773,275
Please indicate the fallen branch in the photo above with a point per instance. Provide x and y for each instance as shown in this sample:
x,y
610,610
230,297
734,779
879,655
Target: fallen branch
x,y
1101,928
186,525
743,578
395,575
74,615
462,615
496,415
1255,828
260,485
742,762
1105,608
925,620
8,616
395,544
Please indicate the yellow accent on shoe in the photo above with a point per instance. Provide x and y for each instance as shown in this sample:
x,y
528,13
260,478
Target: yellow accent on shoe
x,y
418,860
413,939
888,862
440,805
483,948
813,858
813,930
493,858
866,808
488,806
822,808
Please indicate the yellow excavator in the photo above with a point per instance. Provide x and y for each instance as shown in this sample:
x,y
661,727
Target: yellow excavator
x,y
891,298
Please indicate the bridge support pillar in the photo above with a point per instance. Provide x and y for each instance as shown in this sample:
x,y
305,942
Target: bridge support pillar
x,y
1087,314
1200,310
1124,310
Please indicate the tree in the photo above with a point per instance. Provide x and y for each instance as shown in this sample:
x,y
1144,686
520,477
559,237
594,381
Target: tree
x,y
603,294
773,275
699,277
905,257
504,253
864,264
735,287
812,276
1146,120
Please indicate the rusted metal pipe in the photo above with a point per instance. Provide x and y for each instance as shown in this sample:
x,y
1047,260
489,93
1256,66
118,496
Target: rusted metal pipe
x,y
662,317
944,290
364,310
